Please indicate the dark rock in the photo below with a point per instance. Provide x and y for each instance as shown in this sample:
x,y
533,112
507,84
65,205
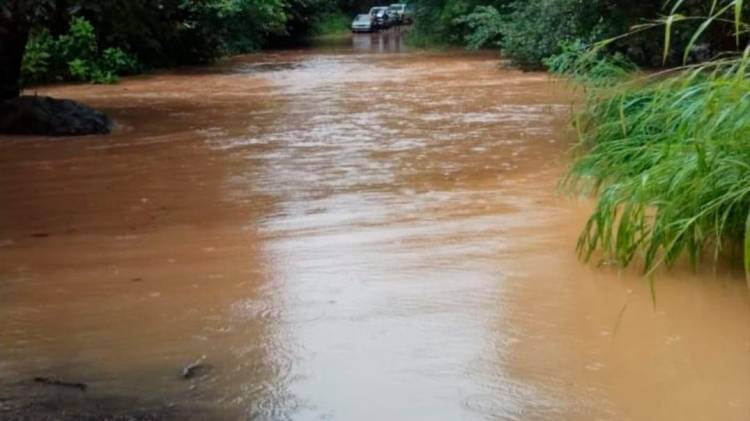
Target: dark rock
x,y
42,115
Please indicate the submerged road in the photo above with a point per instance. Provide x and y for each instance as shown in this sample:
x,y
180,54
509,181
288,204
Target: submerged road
x,y
351,231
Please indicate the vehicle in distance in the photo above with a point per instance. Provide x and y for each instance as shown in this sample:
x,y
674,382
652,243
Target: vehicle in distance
x,y
397,11
363,23
381,17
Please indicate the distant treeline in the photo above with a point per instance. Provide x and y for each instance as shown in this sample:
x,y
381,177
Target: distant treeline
x,y
530,31
97,40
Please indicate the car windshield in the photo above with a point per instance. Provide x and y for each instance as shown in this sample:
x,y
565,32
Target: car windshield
x,y
363,18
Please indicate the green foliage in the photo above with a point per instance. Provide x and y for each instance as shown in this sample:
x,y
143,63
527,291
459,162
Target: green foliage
x,y
441,22
117,61
40,52
667,157
485,27
74,55
210,29
331,24
577,60
97,41
80,41
533,31
530,31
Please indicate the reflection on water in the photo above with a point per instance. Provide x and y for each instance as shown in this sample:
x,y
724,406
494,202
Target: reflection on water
x,y
342,235
390,41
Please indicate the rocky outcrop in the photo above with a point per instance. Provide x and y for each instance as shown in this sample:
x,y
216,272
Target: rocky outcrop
x,y
42,115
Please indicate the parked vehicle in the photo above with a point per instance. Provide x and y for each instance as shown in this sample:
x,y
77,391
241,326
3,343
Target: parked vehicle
x,y
381,17
363,23
396,11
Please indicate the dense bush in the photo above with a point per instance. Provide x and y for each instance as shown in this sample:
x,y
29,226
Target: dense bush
x,y
73,55
533,31
667,156
583,63
527,31
95,40
485,26
439,22
530,31
670,164
173,32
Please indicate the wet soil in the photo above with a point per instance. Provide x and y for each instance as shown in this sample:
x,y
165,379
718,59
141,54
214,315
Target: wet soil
x,y
352,231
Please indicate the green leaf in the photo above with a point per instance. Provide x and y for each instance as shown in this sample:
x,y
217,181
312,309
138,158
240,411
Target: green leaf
x,y
668,22
737,19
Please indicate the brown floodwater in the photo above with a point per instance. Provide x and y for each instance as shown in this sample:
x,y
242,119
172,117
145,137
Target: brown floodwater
x,y
351,231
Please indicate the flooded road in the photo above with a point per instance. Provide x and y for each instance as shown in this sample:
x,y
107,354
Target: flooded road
x,y
347,232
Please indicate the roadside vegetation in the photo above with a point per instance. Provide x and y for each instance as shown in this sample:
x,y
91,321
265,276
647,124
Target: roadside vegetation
x,y
528,32
664,150
74,55
99,41
666,153
333,23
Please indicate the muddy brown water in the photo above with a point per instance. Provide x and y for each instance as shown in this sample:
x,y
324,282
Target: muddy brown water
x,y
347,232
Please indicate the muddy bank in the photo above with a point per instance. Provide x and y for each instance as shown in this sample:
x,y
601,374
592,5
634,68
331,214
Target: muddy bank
x,y
342,248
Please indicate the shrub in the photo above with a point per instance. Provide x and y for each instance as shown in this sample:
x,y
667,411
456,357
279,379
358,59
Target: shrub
x,y
533,31
37,61
117,61
99,40
441,22
485,27
668,158
579,61
73,56
670,163
79,42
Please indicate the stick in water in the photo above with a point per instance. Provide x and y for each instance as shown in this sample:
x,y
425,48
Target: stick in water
x,y
57,382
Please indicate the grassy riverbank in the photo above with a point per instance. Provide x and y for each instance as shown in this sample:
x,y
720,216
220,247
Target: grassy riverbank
x,y
665,154
668,159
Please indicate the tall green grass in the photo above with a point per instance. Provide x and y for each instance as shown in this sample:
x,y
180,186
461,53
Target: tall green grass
x,y
667,155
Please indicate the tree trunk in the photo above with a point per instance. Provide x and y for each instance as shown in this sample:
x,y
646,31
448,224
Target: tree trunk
x,y
14,32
